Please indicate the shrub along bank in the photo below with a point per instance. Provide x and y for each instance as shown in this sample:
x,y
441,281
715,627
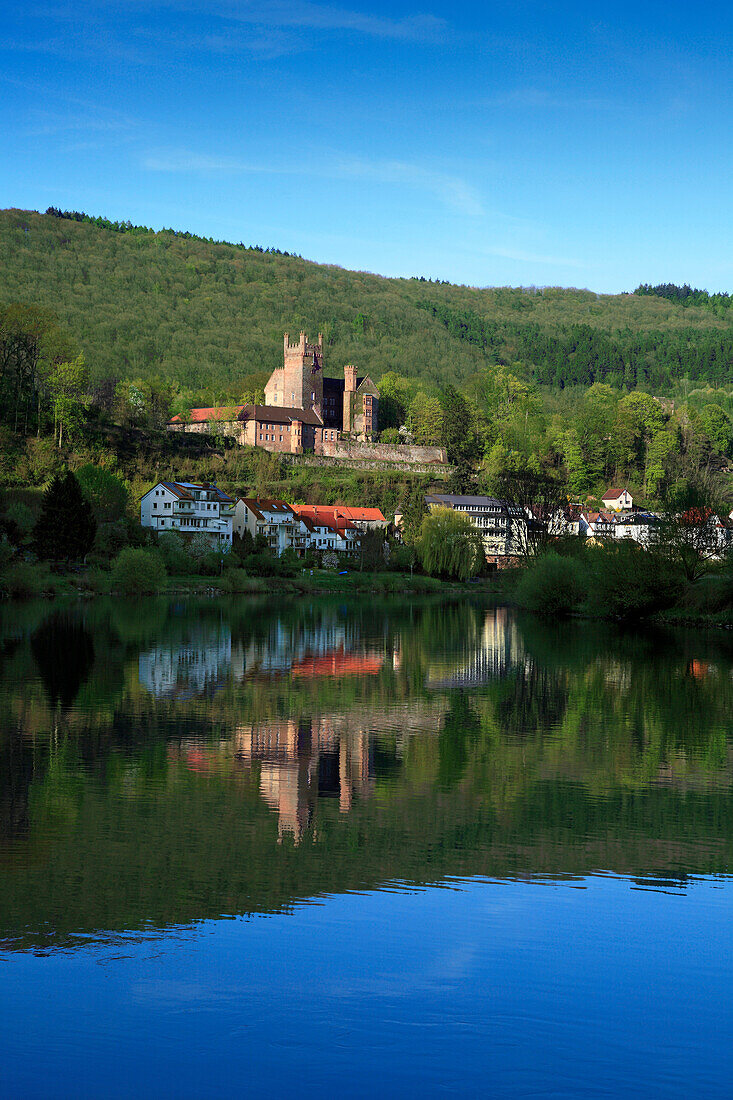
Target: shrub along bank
x,y
623,582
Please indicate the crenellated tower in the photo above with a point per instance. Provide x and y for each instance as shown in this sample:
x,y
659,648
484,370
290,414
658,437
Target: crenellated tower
x,y
302,379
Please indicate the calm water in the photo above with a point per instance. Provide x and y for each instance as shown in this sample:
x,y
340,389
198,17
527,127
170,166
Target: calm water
x,y
401,848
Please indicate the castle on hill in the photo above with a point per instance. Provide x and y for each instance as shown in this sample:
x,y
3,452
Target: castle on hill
x,y
349,405
303,410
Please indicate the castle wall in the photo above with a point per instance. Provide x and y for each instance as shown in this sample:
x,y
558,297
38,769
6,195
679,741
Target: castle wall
x,y
383,452
234,428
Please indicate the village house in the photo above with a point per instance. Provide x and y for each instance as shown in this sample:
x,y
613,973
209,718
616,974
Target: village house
x,y
191,509
597,525
363,518
286,528
272,519
641,527
617,500
498,522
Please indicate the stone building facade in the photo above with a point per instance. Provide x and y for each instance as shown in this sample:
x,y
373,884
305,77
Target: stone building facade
x,y
303,411
349,405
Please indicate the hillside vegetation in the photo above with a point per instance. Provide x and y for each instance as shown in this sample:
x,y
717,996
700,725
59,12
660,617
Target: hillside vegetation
x,y
210,316
106,329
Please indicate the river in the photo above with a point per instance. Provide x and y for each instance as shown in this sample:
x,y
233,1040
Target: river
x,y
392,846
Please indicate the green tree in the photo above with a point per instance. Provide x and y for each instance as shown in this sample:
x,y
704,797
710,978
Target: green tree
x,y
658,451
138,572
458,428
106,492
394,399
66,526
717,426
450,545
425,420
68,382
414,510
639,418
32,343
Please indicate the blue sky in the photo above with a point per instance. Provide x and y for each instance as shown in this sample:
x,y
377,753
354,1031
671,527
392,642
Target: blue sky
x,y
517,143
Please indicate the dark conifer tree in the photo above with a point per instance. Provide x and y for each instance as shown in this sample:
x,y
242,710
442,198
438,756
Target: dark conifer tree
x,y
66,527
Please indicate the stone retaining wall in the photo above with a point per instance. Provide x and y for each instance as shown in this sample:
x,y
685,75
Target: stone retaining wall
x,y
383,452
435,469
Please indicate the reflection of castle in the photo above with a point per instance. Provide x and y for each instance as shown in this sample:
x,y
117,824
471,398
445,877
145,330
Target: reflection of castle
x,y
303,760
488,657
193,665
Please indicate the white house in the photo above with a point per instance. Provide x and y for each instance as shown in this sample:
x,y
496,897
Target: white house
x,y
642,527
191,509
285,528
503,526
618,500
274,519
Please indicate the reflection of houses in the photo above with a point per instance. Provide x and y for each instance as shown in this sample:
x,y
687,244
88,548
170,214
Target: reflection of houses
x,y
304,760
330,648
193,665
337,664
497,649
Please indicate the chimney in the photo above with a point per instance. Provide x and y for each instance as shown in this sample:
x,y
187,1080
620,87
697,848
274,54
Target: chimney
x,y
350,378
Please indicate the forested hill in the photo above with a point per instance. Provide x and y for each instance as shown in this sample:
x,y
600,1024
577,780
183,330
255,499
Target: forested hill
x,y
211,315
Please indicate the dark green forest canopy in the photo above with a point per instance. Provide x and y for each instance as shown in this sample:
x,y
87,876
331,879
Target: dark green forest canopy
x,y
687,295
169,305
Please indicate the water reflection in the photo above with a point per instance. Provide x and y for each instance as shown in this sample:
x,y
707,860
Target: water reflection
x,y
165,762
195,663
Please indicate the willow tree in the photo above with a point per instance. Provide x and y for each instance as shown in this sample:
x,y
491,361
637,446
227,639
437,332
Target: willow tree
x,y
450,545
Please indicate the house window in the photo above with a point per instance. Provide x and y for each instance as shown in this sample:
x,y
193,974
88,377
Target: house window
x,y
154,504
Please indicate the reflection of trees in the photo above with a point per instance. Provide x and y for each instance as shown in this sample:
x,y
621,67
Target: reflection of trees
x,y
533,700
460,734
576,747
64,653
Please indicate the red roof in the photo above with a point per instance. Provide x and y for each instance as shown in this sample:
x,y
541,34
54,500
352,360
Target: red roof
x,y
259,413
325,517
198,416
371,515
338,663
339,515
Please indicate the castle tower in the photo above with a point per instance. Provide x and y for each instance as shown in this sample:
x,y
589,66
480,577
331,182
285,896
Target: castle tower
x,y
302,374
349,394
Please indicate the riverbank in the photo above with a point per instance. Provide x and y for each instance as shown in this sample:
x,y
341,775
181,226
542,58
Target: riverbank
x,y
32,581
625,584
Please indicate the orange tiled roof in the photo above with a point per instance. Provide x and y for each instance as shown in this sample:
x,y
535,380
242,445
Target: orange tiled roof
x,y
335,516
338,664
198,416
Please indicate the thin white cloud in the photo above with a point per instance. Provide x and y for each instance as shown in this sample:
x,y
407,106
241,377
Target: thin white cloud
x,y
454,192
420,27
451,189
44,123
523,257
265,29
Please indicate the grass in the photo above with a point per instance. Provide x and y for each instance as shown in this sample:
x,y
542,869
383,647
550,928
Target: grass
x,y
24,581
